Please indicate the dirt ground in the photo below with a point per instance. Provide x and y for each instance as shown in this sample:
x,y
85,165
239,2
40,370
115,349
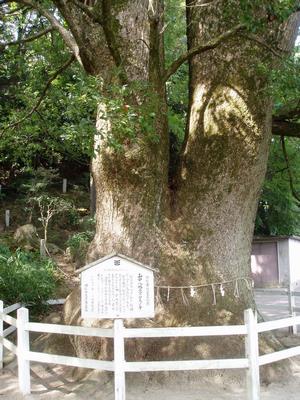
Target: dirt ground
x,y
56,383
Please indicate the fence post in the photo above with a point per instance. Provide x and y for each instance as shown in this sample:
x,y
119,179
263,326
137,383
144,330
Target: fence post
x,y
119,358
23,349
252,353
1,334
292,305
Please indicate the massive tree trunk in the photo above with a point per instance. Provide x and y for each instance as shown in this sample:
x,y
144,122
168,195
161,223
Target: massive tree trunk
x,y
131,181
196,228
224,158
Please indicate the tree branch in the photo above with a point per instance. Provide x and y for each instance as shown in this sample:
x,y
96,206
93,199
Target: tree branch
x,y
212,44
156,70
210,3
111,38
89,11
278,53
285,128
290,114
28,39
293,190
287,123
66,35
44,92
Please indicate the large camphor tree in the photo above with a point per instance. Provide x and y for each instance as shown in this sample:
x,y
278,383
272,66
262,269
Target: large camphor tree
x,y
186,210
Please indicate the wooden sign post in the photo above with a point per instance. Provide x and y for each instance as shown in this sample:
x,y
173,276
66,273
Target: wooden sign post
x,y
117,287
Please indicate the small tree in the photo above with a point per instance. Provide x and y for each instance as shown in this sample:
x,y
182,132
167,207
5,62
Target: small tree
x,y
37,185
48,206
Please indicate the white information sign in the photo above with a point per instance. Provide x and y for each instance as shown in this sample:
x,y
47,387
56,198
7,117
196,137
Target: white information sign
x,y
117,287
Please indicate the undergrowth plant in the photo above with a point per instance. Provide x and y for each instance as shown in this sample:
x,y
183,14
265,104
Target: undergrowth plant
x,y
25,277
78,245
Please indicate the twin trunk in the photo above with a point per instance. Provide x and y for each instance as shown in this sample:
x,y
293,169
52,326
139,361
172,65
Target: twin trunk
x,y
198,229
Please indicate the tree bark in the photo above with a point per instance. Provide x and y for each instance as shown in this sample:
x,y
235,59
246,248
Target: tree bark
x,y
197,230
131,184
224,156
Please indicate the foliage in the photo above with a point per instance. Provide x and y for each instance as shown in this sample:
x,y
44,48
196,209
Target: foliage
x,y
69,217
278,211
32,183
177,86
25,277
38,180
52,132
131,110
256,13
78,245
286,85
88,223
62,128
35,187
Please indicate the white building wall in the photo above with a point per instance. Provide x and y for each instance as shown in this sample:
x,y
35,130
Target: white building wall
x,y
294,259
264,265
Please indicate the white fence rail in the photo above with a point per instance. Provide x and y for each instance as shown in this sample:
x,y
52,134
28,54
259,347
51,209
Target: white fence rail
x,y
250,330
291,298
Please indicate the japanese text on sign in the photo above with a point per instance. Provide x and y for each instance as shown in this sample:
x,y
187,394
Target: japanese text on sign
x,y
117,288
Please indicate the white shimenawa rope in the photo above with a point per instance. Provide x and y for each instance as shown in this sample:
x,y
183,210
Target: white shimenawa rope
x,y
192,288
245,279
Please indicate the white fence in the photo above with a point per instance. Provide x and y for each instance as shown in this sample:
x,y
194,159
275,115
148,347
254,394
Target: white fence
x,y
291,298
250,330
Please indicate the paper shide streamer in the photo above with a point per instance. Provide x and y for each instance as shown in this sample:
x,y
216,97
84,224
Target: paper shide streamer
x,y
192,290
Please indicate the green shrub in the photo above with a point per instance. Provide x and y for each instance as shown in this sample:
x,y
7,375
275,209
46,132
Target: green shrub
x,y
25,277
69,218
78,244
88,225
